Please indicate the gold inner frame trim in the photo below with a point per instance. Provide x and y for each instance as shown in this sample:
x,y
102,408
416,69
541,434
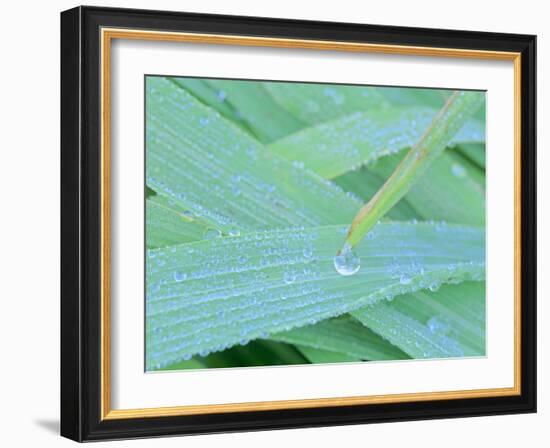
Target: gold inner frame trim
x,y
107,35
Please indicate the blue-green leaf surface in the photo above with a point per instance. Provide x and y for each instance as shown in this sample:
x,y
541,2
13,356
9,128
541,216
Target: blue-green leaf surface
x,y
314,103
211,294
342,335
216,171
448,322
335,147
166,225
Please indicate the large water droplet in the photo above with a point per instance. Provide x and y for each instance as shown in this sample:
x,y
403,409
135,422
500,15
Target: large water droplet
x,y
346,262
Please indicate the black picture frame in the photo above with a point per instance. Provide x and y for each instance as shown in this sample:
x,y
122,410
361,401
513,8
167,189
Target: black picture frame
x,y
81,224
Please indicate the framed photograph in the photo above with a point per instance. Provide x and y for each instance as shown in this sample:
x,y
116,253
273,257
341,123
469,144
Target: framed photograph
x,y
274,223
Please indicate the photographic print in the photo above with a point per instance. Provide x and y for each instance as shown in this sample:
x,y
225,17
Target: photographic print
x,y
251,202
297,223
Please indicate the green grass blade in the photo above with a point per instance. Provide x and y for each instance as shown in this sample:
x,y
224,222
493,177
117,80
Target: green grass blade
x,y
315,103
336,147
166,226
212,294
407,96
253,105
365,183
202,91
449,322
210,167
437,137
452,189
246,104
345,336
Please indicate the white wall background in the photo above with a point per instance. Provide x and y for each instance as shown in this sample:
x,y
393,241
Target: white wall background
x,y
29,167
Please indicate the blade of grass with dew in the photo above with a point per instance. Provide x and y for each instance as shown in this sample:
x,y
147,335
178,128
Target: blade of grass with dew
x,y
216,100
365,183
316,103
338,146
262,115
212,294
437,137
452,189
245,103
166,226
345,336
449,322
407,96
210,167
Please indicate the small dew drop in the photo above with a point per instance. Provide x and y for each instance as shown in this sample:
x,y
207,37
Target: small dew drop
x,y
436,325
234,232
289,277
458,170
179,276
434,286
212,233
307,252
405,279
346,262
